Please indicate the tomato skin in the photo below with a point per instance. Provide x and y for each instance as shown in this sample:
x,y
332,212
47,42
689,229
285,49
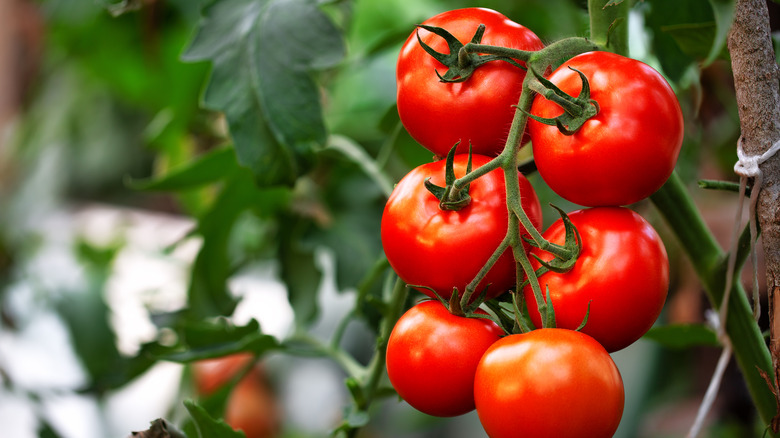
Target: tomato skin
x,y
211,374
432,356
554,383
624,153
622,271
478,110
427,246
251,405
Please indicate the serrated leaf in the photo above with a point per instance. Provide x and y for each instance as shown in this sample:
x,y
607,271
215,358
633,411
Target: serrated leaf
x,y
263,53
209,168
210,339
207,426
682,336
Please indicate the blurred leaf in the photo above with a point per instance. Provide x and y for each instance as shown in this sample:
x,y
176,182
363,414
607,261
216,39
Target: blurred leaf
x,y
209,294
87,317
299,272
45,430
210,339
695,40
665,14
207,426
355,153
724,15
683,336
209,168
263,53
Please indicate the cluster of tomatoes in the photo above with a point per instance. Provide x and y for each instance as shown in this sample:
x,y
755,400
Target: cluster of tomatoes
x,y
548,382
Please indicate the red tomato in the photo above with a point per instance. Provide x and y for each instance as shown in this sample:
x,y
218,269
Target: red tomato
x,y
624,153
211,374
251,406
428,246
478,110
552,383
432,356
622,271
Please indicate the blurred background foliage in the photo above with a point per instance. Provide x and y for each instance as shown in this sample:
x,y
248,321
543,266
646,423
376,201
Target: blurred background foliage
x,y
241,142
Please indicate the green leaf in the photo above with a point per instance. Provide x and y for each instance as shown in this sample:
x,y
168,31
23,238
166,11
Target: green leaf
x,y
665,14
299,272
209,339
207,426
209,168
263,53
682,336
724,15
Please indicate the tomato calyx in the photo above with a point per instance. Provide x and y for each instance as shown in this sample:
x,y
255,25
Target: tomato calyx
x,y
565,256
462,60
450,197
576,110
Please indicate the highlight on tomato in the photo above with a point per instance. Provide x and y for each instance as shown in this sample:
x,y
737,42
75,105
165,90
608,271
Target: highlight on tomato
x,y
627,150
432,356
446,249
548,383
620,280
477,111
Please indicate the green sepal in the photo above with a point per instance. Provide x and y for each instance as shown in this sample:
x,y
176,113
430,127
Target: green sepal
x,y
576,110
449,199
585,319
549,314
565,256
460,63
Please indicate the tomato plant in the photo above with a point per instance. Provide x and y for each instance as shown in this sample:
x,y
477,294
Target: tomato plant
x,y
251,406
432,356
478,111
625,152
445,249
620,279
554,383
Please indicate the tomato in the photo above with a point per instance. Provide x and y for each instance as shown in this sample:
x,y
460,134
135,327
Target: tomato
x,y
211,374
442,250
478,110
432,356
624,153
251,405
554,383
622,272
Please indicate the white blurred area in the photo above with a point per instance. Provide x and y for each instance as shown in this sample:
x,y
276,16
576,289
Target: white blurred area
x,y
145,276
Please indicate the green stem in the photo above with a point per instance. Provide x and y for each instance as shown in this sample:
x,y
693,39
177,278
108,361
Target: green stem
x,y
609,25
709,262
472,286
520,55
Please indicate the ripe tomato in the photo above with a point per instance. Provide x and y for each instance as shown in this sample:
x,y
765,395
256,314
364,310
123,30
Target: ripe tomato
x,y
622,271
432,356
251,405
428,246
624,153
478,110
211,374
554,383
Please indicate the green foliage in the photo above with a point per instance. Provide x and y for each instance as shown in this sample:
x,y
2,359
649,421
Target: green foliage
x,y
263,54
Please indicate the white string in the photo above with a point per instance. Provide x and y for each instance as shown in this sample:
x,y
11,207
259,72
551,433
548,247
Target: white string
x,y
746,167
